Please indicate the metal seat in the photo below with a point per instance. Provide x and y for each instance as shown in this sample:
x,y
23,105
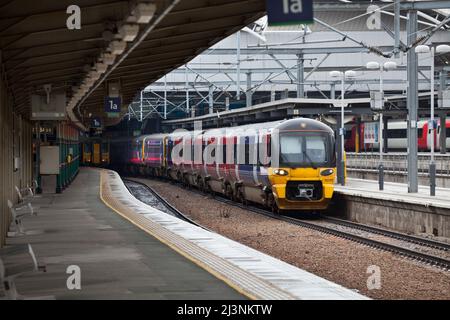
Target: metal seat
x,y
14,262
25,195
18,212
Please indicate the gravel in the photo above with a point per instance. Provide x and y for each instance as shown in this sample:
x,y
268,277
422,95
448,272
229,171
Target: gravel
x,y
333,258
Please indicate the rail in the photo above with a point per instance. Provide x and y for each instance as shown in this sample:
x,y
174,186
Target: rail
x,y
397,163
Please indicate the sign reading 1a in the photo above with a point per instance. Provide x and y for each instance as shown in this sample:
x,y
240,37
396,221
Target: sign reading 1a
x,y
112,104
289,12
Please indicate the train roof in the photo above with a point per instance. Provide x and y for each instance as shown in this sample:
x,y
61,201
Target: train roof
x,y
303,124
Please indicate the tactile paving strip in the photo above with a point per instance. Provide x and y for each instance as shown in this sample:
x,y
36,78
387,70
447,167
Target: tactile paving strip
x,y
250,272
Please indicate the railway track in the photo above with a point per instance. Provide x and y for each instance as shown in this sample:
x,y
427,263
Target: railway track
x,y
175,212
409,253
382,245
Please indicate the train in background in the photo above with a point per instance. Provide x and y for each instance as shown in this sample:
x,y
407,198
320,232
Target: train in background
x,y
95,152
303,179
397,137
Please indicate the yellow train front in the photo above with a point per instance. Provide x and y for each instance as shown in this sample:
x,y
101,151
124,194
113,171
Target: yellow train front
x,y
95,152
303,168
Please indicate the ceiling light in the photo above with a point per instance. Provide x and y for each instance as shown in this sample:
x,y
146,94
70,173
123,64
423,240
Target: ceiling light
x,y
101,67
108,58
144,12
117,47
390,65
422,49
443,48
372,65
129,32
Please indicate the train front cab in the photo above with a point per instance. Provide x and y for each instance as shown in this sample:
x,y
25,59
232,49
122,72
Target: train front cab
x,y
304,178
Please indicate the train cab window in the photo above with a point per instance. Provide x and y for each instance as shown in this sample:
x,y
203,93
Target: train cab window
x,y
315,148
419,132
303,151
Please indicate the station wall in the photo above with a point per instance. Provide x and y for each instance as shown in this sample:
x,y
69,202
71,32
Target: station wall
x,y
15,142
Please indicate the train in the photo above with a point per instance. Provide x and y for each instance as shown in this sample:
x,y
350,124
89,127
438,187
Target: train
x,y
397,136
282,165
95,152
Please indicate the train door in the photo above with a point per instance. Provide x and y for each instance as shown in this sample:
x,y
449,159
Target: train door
x,y
105,153
86,152
96,159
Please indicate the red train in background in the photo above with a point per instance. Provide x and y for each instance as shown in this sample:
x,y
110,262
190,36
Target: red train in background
x,y
397,136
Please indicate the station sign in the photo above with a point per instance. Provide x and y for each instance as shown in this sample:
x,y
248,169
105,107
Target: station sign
x,y
289,12
112,104
96,122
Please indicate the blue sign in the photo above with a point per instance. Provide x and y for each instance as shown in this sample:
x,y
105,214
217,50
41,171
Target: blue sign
x,y
112,104
96,122
287,12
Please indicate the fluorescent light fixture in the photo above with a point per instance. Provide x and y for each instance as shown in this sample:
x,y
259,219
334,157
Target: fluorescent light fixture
x,y
335,74
443,48
129,32
117,47
422,49
390,65
372,65
101,67
108,58
144,12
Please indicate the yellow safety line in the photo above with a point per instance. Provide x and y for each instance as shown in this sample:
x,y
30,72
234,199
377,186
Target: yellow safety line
x,y
178,250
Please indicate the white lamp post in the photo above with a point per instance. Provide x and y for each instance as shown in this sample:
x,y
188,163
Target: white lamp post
x,y
373,65
350,74
439,50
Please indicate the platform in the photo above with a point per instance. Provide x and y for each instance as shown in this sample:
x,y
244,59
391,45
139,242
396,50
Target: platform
x,y
129,250
395,208
117,259
396,192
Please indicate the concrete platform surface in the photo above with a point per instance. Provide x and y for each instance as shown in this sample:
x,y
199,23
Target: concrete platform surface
x,y
397,192
117,259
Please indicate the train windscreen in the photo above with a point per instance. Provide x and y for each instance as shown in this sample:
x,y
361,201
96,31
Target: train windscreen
x,y
305,150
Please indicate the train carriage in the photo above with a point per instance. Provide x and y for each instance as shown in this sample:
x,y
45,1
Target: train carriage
x,y
284,165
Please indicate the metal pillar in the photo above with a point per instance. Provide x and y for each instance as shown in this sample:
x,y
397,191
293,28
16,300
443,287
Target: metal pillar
x,y
433,127
333,91
341,175
227,103
357,135
187,88
340,172
211,99
238,66
397,29
37,176
141,117
165,97
385,135
442,117
412,102
300,76
249,92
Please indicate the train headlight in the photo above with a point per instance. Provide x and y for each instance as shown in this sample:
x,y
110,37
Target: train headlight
x,y
327,172
281,172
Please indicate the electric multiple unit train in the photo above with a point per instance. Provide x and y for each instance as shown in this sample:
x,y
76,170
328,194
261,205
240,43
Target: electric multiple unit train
x,y
397,136
283,165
